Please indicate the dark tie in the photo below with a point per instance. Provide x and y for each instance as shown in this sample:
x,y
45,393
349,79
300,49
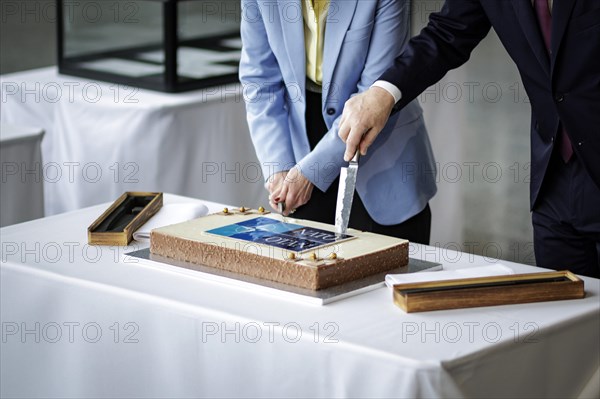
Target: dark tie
x,y
542,10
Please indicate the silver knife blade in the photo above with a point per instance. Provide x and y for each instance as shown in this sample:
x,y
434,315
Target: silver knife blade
x,y
345,195
281,208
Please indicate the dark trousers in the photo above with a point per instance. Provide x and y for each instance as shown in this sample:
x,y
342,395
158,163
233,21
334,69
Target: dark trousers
x,y
321,206
566,219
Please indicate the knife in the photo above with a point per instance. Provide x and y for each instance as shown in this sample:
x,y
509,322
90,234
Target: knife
x,y
280,209
345,195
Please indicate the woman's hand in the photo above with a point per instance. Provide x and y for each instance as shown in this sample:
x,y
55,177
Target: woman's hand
x,y
290,187
274,186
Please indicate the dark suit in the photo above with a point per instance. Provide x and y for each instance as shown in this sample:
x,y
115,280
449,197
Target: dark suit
x,y
563,87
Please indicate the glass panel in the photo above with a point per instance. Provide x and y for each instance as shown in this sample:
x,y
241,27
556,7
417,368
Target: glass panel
x,y
203,19
209,38
93,26
122,42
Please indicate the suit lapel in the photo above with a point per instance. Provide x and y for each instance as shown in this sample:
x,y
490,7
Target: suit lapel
x,y
561,15
339,17
292,30
529,25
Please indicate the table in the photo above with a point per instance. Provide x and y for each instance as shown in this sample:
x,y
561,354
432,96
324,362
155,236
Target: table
x,y
103,139
22,193
81,321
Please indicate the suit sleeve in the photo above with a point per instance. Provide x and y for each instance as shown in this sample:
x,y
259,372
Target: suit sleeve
x,y
264,93
444,44
390,32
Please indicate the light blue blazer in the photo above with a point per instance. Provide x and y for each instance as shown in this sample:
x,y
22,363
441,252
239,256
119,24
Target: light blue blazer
x,y
397,177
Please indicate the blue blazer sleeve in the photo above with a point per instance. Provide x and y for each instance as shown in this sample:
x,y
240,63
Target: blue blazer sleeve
x,y
264,94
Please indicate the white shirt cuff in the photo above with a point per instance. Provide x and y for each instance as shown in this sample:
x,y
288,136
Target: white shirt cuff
x,y
390,88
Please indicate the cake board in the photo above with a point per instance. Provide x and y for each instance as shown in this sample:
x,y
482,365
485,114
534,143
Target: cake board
x,y
319,297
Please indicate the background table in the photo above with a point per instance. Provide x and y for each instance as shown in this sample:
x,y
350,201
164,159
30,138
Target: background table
x,y
103,139
81,321
22,194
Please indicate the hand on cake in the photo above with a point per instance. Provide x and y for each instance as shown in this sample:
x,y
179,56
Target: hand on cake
x,y
294,189
273,185
363,118
275,181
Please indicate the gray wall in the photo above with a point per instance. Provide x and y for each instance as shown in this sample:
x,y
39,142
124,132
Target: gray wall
x,y
27,34
478,119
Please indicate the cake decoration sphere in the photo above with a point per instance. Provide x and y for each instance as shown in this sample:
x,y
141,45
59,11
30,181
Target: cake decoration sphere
x,y
242,209
291,256
225,210
261,209
313,256
333,255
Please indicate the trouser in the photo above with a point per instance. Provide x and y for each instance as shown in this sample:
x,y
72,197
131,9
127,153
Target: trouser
x,y
566,219
321,206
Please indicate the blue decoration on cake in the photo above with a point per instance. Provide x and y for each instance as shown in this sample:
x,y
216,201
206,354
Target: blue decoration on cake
x,y
276,233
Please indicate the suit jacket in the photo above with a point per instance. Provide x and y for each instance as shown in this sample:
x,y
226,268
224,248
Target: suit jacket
x,y
396,178
563,86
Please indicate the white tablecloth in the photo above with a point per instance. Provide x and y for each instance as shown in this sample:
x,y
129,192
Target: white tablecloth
x,y
80,322
103,139
21,193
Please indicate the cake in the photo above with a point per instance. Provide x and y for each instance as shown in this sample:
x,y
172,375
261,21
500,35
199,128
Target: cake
x,y
298,252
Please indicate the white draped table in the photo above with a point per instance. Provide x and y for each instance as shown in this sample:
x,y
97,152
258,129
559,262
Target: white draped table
x,y
103,139
81,321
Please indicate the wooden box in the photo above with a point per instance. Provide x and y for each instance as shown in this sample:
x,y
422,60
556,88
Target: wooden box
x,y
127,214
488,291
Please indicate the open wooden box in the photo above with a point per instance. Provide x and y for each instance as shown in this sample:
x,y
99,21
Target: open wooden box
x,y
127,214
488,291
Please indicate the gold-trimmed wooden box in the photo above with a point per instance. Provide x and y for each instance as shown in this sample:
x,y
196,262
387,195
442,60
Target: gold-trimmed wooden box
x,y
127,214
488,291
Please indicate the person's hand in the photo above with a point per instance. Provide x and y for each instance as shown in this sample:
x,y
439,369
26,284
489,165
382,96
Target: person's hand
x,y
273,186
363,118
295,191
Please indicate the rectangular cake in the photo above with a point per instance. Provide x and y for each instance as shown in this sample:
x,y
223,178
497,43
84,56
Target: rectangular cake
x,y
291,251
